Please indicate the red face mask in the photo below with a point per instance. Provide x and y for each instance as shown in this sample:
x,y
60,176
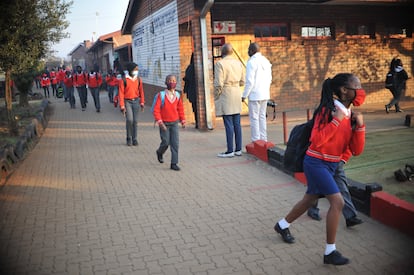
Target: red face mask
x,y
359,97
171,85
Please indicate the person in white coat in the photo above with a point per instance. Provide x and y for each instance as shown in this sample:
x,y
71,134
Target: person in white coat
x,y
257,90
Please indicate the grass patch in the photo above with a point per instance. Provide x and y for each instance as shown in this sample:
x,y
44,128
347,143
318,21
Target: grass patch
x,y
385,152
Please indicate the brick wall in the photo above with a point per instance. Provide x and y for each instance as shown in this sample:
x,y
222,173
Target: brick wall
x,y
300,66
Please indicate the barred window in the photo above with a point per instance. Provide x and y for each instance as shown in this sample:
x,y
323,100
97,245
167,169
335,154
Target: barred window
x,y
278,31
317,32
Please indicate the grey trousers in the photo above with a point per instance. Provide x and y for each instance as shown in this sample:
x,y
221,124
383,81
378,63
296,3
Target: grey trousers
x,y
349,210
170,137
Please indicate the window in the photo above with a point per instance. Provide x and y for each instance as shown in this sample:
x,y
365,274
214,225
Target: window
x,y
317,32
357,30
398,31
278,31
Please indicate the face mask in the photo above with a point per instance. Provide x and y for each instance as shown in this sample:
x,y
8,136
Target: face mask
x,y
134,73
359,97
171,85
118,76
126,73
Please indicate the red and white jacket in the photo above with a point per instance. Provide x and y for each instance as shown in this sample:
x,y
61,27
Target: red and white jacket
x,y
68,81
45,82
94,80
133,90
336,140
172,110
79,79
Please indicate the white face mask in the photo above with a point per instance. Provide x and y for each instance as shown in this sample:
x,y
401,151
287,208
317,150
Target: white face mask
x,y
126,73
134,73
118,76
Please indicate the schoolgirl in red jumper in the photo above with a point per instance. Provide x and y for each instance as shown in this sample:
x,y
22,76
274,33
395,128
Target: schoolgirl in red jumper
x,y
336,129
167,114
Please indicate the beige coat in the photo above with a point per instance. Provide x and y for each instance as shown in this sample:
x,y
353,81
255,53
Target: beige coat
x,y
229,76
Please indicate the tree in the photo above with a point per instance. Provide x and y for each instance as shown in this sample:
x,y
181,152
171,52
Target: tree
x,y
28,28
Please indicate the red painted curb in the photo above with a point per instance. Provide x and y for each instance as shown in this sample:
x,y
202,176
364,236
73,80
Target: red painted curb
x,y
392,211
259,149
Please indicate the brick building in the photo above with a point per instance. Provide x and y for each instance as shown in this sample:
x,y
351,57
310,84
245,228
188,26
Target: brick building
x,y
79,56
108,47
306,41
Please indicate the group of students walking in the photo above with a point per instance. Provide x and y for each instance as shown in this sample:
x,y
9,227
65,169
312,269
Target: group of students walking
x,y
338,132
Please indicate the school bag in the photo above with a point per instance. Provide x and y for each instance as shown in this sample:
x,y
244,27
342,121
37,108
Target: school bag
x,y
162,95
297,145
389,80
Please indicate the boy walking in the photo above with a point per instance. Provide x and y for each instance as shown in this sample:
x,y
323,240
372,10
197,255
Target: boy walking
x,y
168,112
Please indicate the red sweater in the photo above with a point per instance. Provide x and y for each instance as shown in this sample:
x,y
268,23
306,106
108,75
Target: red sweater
x,y
68,81
111,80
171,111
80,79
61,75
45,82
94,80
332,140
53,77
133,90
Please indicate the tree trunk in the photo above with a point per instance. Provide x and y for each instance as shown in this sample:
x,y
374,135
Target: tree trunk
x,y
23,99
9,100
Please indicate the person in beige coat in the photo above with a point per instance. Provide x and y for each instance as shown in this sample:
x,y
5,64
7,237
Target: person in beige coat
x,y
229,76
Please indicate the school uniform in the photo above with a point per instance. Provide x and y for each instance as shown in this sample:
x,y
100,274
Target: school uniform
x,y
329,143
170,112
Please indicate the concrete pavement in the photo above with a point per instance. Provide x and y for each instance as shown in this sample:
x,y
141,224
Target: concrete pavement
x,y
83,202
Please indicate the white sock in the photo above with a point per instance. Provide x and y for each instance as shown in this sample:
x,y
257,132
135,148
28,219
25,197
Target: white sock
x,y
329,248
283,224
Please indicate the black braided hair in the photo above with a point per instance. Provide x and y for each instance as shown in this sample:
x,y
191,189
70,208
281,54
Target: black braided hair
x,y
330,90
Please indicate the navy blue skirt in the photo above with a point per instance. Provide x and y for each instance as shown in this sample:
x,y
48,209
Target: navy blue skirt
x,y
320,176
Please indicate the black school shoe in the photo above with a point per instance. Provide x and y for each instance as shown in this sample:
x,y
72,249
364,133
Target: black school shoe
x,y
314,216
285,233
353,221
175,167
159,157
335,258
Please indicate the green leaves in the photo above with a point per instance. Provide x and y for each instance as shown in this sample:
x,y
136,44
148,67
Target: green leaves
x,y
29,27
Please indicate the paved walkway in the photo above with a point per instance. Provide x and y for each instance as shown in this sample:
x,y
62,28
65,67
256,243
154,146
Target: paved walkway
x,y
83,202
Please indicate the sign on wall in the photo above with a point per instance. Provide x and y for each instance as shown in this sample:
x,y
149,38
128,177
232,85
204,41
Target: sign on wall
x,y
220,27
155,46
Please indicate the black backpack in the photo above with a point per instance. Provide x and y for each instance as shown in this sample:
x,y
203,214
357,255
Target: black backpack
x,y
297,145
389,80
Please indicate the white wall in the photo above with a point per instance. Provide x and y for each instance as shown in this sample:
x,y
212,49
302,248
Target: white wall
x,y
155,46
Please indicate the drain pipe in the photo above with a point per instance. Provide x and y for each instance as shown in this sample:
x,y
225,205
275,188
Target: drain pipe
x,y
204,49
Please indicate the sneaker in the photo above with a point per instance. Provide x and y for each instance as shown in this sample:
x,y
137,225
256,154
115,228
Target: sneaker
x,y
226,155
174,167
387,109
135,143
335,258
285,233
238,153
399,111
